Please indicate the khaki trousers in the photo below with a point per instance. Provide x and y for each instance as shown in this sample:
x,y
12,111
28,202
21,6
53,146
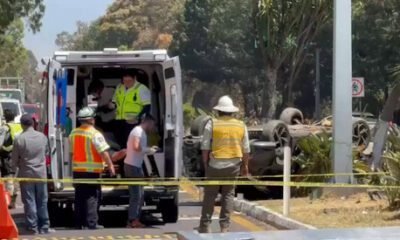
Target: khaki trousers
x,y
227,195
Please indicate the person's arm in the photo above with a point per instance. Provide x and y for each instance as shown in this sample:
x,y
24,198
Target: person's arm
x,y
106,158
145,97
117,156
206,143
102,147
15,156
246,153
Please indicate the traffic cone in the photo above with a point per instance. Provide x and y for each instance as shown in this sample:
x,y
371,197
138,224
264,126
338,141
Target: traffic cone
x,y
8,229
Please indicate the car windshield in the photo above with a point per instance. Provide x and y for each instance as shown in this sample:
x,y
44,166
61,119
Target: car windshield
x,y
11,94
12,106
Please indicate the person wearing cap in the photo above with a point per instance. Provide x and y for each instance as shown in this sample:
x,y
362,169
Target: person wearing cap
x,y
225,153
11,131
88,150
28,156
131,100
136,151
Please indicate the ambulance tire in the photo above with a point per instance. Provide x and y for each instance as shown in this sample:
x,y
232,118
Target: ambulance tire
x,y
198,124
292,116
169,210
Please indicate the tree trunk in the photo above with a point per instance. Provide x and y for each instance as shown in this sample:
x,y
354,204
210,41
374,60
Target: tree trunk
x,y
290,102
270,95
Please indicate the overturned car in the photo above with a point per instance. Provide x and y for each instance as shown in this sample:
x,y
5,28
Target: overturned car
x,y
267,141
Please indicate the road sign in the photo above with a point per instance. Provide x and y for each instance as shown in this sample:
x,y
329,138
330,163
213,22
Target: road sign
x,y
357,86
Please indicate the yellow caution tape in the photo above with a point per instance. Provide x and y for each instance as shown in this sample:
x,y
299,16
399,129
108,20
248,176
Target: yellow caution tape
x,y
180,182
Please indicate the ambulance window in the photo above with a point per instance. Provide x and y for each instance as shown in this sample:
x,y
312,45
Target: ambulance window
x,y
169,73
71,76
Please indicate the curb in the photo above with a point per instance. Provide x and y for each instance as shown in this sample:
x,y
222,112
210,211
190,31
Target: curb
x,y
268,216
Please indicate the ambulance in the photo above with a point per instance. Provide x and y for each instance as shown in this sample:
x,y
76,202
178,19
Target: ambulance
x,y
65,85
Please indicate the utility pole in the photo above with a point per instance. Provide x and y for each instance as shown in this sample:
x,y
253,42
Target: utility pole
x,y
342,94
317,87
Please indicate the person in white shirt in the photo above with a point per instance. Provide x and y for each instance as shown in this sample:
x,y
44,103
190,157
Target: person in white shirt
x,y
136,151
103,96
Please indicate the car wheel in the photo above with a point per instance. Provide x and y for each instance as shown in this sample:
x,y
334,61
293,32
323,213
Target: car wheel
x,y
361,133
276,131
197,126
169,210
292,116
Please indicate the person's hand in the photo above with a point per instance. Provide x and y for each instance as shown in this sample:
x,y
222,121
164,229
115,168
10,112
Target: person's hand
x,y
152,150
244,171
118,155
111,169
111,105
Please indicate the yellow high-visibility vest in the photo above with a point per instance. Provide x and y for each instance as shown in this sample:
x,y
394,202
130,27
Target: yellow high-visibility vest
x,y
15,130
227,138
129,103
85,157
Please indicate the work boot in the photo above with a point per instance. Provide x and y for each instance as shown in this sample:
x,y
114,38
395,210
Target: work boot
x,y
224,229
13,202
204,229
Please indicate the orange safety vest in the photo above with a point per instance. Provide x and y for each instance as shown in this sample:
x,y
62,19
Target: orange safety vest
x,y
85,157
227,138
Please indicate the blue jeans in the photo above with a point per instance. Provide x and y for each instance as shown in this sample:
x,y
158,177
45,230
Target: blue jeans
x,y
34,196
135,192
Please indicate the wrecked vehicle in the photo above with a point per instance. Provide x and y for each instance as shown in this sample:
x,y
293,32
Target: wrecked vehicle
x,y
267,141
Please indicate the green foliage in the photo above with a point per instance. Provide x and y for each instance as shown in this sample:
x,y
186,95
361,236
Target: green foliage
x,y
315,157
14,10
13,55
127,25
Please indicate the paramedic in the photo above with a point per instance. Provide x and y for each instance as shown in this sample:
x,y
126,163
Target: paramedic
x,y
11,130
131,100
88,152
103,95
225,152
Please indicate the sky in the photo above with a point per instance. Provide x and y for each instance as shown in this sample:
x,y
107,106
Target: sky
x,y
62,15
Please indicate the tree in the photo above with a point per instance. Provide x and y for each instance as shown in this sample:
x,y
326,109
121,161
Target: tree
x,y
12,10
285,28
13,54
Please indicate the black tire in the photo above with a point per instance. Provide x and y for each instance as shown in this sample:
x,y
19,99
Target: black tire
x,y
292,116
197,126
169,210
361,133
276,131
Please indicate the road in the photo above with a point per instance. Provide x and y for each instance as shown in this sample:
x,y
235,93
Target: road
x,y
114,220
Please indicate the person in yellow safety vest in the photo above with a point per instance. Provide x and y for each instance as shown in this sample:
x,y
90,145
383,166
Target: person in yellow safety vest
x,y
225,152
89,150
11,130
131,100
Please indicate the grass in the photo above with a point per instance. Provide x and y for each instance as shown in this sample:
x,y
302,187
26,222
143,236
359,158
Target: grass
x,y
357,210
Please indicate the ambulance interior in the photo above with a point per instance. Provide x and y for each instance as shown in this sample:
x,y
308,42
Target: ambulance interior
x,y
78,96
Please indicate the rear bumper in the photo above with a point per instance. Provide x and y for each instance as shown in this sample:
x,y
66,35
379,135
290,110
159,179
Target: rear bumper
x,y
120,195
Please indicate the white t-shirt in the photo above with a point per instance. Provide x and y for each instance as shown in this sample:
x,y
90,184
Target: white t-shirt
x,y
134,158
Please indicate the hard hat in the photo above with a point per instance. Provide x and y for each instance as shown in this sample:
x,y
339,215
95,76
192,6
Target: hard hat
x,y
86,113
225,104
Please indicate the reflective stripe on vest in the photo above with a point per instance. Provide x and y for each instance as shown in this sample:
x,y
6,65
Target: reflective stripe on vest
x,y
15,130
85,157
129,103
227,138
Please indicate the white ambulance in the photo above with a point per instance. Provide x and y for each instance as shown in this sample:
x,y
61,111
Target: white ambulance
x,y
65,84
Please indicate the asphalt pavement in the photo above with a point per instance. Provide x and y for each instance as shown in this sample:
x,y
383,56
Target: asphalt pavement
x,y
114,220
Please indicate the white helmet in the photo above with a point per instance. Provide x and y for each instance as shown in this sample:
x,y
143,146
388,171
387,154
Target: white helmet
x,y
86,113
225,104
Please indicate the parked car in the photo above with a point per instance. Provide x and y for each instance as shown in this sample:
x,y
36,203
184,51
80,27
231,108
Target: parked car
x,y
13,105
